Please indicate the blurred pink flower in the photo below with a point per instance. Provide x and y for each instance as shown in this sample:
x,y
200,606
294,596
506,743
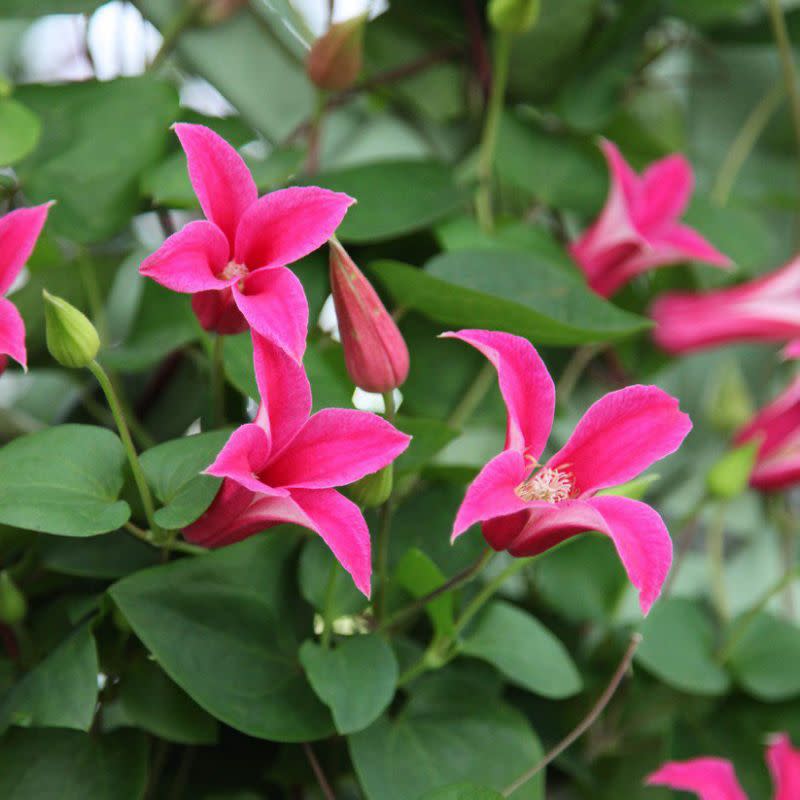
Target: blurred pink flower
x,y
283,466
527,507
638,228
19,231
715,778
233,262
764,309
777,427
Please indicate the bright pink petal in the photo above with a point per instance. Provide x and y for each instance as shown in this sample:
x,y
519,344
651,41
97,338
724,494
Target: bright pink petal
x,y
221,180
12,332
708,778
666,188
284,226
620,436
525,384
335,447
243,457
226,520
492,493
681,243
341,525
217,312
19,231
776,422
623,178
792,350
284,390
190,260
549,524
274,304
642,541
784,765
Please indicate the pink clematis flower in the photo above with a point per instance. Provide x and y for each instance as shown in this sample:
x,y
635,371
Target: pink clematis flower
x,y
638,228
284,466
19,231
233,262
777,427
715,778
766,309
526,507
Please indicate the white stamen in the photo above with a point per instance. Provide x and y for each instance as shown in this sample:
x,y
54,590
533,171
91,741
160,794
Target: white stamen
x,y
234,270
550,485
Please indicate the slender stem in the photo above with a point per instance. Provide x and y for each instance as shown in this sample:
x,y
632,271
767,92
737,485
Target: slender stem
x,y
744,622
320,775
483,197
218,381
587,722
94,296
459,579
687,532
715,545
127,442
384,531
787,66
745,141
173,30
788,532
177,546
327,611
579,360
314,139
473,396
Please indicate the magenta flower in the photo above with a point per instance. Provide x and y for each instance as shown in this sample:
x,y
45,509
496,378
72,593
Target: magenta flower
x,y
777,428
284,466
638,228
526,507
761,310
233,262
19,231
715,778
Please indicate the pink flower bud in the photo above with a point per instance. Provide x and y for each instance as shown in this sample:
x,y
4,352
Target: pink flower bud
x,y
375,353
335,59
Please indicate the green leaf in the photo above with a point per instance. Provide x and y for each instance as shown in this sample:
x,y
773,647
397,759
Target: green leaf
x,y
356,679
173,470
678,648
20,129
148,699
25,8
316,563
218,625
60,691
418,574
98,136
111,556
764,661
429,437
63,480
440,738
523,650
463,791
507,291
394,197
67,765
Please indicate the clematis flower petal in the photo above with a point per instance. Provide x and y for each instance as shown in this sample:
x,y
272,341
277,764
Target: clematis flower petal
x,y
12,333
666,187
190,260
708,778
217,312
341,524
227,519
492,493
283,226
783,761
335,447
245,455
19,231
525,384
274,304
221,180
620,436
681,243
284,390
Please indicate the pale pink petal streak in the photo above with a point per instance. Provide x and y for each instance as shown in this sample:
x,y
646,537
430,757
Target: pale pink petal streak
x,y
708,778
666,188
19,231
12,332
681,243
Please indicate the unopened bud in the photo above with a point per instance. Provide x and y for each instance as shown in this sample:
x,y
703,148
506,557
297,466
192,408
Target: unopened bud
x,y
335,59
71,338
13,605
513,16
372,490
730,404
375,353
729,476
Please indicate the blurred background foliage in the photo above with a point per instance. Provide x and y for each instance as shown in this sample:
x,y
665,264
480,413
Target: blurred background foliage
x,y
87,94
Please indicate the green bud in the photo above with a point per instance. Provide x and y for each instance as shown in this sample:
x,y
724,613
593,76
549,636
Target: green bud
x,y
729,476
13,605
71,338
372,490
730,404
635,489
513,16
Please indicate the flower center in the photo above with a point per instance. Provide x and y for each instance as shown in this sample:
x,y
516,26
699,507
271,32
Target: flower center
x,y
234,270
550,485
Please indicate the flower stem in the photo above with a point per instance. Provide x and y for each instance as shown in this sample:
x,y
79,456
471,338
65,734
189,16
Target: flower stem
x,y
483,197
127,442
715,545
579,360
184,19
387,509
472,397
218,381
314,140
587,722
327,611
177,546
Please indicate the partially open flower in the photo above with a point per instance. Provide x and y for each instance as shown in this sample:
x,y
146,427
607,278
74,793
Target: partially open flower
x,y
335,59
